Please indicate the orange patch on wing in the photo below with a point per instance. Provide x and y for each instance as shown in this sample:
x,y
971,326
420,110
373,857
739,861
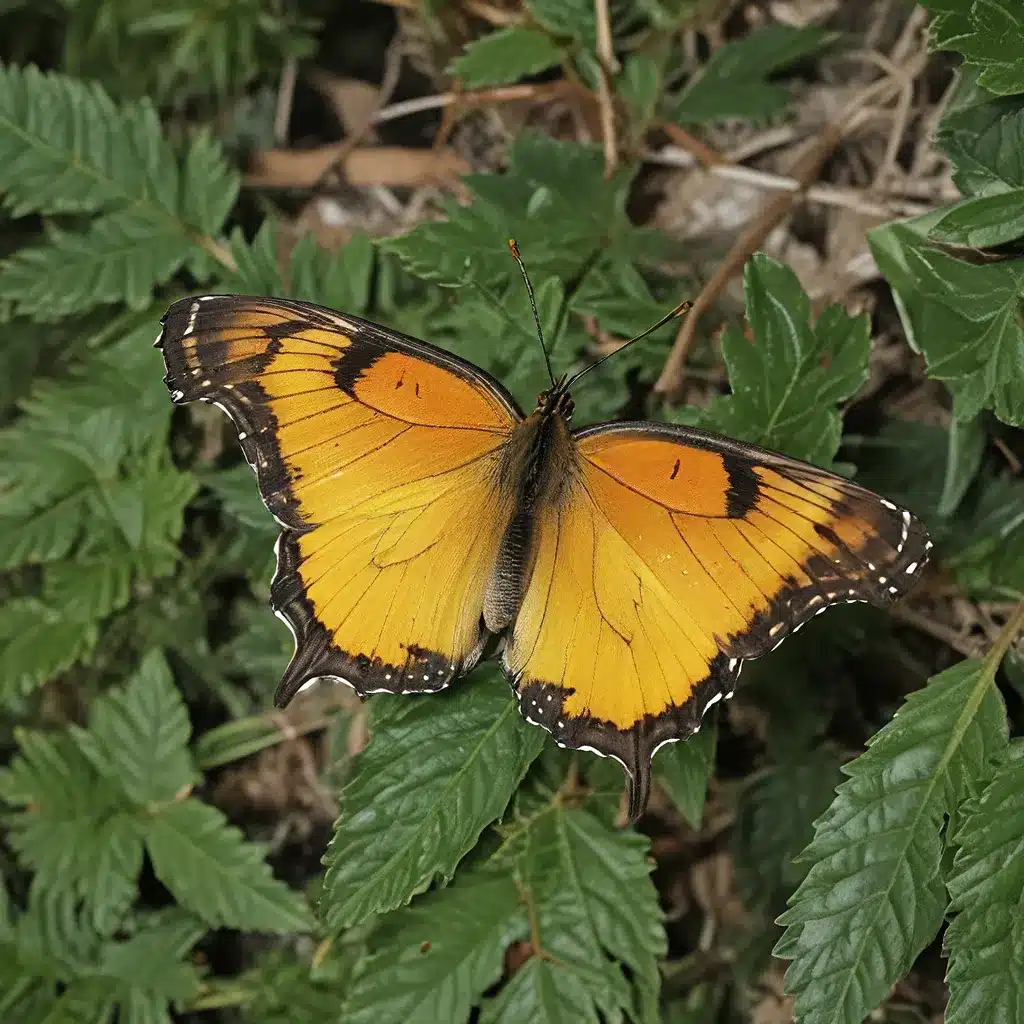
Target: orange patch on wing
x,y
686,480
419,392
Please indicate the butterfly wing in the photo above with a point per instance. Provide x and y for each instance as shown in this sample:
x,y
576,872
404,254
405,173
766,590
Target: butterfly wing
x,y
377,454
677,555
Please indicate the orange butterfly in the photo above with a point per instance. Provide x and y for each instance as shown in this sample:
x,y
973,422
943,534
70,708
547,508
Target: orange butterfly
x,y
628,569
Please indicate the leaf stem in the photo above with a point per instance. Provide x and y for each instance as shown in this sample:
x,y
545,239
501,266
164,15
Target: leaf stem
x,y
1007,635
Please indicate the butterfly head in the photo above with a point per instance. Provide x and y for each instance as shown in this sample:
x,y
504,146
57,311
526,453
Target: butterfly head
x,y
556,401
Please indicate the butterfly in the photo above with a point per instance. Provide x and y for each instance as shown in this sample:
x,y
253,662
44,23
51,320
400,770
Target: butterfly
x,y
625,570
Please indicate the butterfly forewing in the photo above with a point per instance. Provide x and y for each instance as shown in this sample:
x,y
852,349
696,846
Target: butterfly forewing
x,y
369,448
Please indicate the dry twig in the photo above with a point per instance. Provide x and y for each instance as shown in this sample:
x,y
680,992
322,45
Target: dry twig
x,y
773,213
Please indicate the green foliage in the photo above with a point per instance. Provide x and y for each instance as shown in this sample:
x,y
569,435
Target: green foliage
x,y
91,799
788,381
988,34
683,770
474,870
66,148
448,794
874,896
505,56
735,82
985,977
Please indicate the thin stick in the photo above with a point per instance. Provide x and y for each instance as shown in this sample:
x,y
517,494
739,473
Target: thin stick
x,y
773,213
607,65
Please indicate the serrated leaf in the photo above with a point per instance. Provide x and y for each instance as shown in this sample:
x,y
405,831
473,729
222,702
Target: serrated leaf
x,y
985,545
120,258
683,770
435,773
505,56
71,829
138,735
433,960
873,897
735,81
775,822
37,643
153,960
542,994
339,277
64,147
87,590
213,872
571,19
963,317
984,140
42,536
595,909
788,381
209,185
985,975
988,34
984,221
553,199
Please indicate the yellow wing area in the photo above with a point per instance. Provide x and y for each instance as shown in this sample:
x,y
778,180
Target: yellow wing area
x,y
677,555
369,448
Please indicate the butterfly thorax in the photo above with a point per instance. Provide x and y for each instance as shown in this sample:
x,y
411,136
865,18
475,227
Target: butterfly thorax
x,y
535,473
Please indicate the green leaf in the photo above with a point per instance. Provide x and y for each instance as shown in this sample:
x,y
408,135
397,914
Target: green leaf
x,y
505,56
153,963
963,317
87,590
44,536
72,828
985,548
787,382
435,773
683,769
873,897
986,975
553,199
735,82
542,993
37,643
213,872
988,34
589,892
775,822
984,221
571,19
118,259
967,440
138,735
433,960
66,148
984,139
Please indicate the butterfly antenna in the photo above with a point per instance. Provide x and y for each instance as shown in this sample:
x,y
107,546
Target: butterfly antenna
x,y
533,305
680,310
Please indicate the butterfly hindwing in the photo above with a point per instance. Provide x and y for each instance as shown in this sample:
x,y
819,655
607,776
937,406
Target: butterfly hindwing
x,y
368,448
677,555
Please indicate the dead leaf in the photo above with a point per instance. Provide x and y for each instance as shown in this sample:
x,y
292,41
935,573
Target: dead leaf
x,y
353,101
391,166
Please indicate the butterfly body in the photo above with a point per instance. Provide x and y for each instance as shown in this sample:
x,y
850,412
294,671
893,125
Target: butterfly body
x,y
626,570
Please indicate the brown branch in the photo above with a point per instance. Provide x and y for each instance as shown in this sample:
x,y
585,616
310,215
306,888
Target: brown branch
x,y
606,67
774,211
